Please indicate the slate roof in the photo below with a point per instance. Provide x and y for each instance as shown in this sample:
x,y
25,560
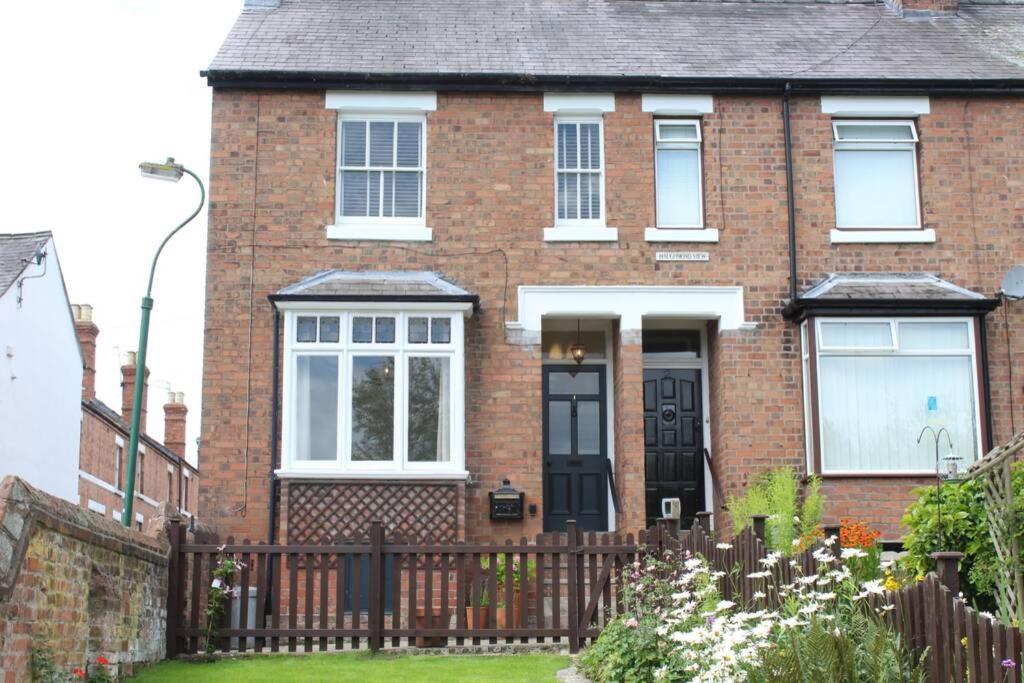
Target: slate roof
x,y
610,39
15,252
369,285
889,286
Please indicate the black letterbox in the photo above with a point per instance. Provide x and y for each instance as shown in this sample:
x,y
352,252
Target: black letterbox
x,y
506,502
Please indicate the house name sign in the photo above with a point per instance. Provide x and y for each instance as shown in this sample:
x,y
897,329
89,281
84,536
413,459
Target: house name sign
x,y
681,256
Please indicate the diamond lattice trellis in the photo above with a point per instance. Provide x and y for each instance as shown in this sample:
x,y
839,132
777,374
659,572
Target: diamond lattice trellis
x,y
421,512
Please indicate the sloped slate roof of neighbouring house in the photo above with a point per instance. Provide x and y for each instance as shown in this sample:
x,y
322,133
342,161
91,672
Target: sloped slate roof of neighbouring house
x,y
16,250
612,39
112,417
370,285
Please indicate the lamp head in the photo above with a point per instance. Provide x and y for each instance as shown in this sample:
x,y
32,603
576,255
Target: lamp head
x,y
168,170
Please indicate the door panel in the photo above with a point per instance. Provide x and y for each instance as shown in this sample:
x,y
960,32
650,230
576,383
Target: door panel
x,y
575,448
673,437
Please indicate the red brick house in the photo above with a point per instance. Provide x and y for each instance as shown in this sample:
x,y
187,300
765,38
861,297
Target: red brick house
x,y
162,474
772,233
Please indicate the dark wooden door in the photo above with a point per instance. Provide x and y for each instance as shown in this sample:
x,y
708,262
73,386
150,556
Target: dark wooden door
x,y
673,441
575,448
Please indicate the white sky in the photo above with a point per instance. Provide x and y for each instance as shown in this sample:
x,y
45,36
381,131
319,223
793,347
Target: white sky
x,y
91,89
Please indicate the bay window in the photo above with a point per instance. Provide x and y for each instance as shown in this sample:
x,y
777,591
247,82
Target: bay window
x,y
873,384
369,392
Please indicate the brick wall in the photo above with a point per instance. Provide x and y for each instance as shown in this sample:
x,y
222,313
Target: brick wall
x,y
76,584
490,180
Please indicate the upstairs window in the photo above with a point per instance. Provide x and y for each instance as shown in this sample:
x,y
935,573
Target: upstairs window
x,y
677,166
876,174
381,170
579,181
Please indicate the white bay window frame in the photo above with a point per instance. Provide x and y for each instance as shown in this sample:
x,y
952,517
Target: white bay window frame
x,y
346,350
813,351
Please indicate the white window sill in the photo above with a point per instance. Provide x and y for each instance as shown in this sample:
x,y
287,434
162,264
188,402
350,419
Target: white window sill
x,y
453,475
380,232
567,234
877,474
912,236
681,235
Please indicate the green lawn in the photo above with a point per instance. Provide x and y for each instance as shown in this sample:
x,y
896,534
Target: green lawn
x,y
364,668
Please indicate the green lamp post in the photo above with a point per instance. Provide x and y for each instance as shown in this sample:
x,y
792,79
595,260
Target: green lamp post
x,y
171,171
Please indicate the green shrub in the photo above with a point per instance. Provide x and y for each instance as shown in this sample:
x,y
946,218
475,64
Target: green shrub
x,y
965,529
791,516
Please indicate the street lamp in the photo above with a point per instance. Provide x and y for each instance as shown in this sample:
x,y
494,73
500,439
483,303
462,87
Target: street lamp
x,y
173,172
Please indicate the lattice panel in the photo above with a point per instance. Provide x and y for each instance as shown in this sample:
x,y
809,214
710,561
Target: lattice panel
x,y
421,512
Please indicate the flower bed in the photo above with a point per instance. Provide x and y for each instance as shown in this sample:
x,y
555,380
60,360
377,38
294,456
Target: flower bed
x,y
821,626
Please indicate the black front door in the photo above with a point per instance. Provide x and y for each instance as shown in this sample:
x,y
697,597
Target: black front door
x,y
575,448
673,441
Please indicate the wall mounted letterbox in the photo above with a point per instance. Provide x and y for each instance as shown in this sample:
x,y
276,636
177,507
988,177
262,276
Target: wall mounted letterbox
x,y
506,502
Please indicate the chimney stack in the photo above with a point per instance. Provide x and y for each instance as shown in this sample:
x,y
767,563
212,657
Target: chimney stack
x,y
174,422
129,372
926,7
87,332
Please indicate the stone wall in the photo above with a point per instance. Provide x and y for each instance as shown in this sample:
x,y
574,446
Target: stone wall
x,y
78,584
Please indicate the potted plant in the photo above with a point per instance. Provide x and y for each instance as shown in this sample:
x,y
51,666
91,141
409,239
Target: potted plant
x,y
501,613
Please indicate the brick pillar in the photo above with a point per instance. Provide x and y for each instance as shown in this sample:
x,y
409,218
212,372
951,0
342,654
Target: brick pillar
x,y
87,332
175,412
628,372
128,373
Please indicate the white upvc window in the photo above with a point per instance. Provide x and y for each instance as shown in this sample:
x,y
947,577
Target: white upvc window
x,y
579,171
880,381
381,170
374,392
677,164
876,183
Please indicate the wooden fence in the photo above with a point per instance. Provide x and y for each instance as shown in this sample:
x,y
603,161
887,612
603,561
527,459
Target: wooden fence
x,y
562,588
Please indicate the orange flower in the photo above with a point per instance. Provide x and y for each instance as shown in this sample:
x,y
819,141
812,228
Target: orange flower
x,y
102,661
853,534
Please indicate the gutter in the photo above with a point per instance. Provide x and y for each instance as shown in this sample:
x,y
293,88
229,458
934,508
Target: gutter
x,y
513,82
379,298
800,308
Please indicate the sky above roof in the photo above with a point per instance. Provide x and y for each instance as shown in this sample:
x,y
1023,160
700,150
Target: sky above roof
x,y
113,83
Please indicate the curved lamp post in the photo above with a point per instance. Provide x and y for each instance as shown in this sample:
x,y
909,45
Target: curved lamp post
x,y
168,170
949,474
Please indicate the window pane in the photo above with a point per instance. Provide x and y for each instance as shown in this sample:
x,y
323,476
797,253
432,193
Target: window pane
x,y
385,330
567,146
562,212
677,131
678,187
353,143
681,342
373,408
571,199
382,143
875,189
559,427
409,144
330,328
316,410
565,383
418,330
595,195
584,196
429,411
856,335
588,427
931,336
362,330
873,408
592,132
853,131
353,193
407,193
305,329
388,209
440,330
373,207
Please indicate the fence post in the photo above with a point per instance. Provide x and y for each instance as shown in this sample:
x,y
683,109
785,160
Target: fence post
x,y
574,587
174,533
759,526
830,531
376,616
703,519
946,567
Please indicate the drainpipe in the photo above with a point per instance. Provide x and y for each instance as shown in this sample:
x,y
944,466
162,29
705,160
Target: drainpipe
x,y
274,411
790,201
986,389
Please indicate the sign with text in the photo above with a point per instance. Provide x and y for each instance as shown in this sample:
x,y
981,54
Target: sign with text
x,y
682,256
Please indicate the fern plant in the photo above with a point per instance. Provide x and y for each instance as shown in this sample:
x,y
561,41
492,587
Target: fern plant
x,y
794,515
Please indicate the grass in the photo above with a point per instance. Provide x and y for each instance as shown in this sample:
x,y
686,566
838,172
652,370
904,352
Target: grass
x,y
363,667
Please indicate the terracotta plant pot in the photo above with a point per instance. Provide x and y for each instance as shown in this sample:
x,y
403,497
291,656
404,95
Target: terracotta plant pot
x,y
500,617
421,622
